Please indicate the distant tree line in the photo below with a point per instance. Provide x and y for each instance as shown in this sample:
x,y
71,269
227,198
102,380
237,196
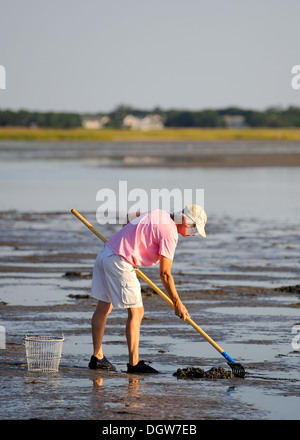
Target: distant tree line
x,y
271,117
24,118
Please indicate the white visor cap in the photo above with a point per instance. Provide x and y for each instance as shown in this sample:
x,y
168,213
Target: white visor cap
x,y
198,216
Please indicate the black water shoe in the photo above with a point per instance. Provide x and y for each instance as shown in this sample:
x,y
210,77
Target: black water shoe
x,y
100,364
140,367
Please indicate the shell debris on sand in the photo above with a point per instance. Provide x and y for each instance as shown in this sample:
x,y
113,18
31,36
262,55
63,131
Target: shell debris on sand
x,y
213,373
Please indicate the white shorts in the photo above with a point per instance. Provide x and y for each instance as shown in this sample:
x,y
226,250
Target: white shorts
x,y
115,281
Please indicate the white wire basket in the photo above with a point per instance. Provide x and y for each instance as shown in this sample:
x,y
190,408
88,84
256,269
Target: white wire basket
x,y
43,353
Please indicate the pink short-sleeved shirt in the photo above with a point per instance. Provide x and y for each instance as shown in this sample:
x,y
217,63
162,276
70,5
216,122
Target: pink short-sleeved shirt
x,y
144,239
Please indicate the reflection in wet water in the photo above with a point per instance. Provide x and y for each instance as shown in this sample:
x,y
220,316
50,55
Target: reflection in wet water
x,y
127,397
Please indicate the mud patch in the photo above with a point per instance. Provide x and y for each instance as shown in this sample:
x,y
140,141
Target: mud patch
x,y
196,373
290,289
77,274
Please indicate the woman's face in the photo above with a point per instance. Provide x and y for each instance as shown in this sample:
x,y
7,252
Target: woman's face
x,y
187,228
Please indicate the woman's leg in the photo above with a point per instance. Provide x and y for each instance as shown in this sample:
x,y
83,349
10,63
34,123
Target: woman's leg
x,y
99,318
135,316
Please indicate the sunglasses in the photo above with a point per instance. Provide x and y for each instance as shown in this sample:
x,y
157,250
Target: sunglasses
x,y
191,227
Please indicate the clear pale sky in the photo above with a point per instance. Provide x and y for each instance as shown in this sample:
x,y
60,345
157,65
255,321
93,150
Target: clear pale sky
x,y
92,55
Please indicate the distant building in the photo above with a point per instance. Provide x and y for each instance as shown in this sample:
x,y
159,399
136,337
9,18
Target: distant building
x,y
149,122
94,122
152,122
235,121
132,122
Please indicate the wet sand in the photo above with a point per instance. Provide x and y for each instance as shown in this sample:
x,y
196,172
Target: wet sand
x,y
75,392
239,287
46,262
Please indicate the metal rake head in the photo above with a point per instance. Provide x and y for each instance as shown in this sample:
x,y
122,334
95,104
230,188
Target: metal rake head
x,y
237,369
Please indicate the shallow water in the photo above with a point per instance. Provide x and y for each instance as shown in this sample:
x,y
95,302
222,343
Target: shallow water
x,y
227,281
252,193
262,346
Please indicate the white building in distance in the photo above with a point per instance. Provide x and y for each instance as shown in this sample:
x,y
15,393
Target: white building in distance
x,y
149,122
94,122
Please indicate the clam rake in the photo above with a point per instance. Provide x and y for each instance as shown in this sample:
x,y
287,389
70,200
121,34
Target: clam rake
x,y
237,368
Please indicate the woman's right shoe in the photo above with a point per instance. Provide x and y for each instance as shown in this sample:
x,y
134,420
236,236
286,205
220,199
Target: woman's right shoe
x,y
140,367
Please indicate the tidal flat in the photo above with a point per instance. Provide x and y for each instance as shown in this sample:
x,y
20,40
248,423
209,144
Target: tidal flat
x,y
45,290
240,284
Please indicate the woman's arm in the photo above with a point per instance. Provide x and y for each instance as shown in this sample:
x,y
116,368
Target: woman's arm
x,y
169,284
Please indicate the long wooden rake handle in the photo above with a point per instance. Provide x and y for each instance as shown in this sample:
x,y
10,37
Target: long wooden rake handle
x,y
159,291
